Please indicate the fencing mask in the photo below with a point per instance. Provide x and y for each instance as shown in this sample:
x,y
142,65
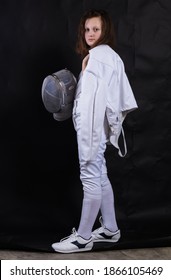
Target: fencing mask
x,y
58,92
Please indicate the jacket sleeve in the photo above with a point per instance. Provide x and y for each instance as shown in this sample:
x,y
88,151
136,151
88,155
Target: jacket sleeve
x,y
127,102
93,105
121,103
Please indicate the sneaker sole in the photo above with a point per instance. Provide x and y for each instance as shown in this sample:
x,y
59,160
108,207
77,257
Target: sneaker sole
x,y
106,240
73,251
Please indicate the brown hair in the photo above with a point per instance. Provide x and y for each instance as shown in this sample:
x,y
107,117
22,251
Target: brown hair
x,y
107,36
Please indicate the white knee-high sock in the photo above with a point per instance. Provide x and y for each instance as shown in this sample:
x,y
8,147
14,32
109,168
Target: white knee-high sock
x,y
107,204
90,209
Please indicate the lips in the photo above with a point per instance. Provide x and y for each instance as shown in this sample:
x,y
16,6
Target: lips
x,y
91,40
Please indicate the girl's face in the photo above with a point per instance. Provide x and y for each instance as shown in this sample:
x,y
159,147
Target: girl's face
x,y
93,30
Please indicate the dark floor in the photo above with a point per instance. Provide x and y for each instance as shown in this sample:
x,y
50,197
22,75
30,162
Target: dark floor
x,y
161,253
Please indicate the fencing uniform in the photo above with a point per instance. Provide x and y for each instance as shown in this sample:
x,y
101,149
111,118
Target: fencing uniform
x,y
103,99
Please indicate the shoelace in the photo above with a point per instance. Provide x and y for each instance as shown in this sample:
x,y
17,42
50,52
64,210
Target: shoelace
x,y
71,235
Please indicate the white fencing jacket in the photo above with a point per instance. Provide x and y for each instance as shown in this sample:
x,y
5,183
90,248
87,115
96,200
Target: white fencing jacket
x,y
105,89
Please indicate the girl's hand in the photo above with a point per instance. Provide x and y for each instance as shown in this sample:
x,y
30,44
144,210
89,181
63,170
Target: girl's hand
x,y
84,62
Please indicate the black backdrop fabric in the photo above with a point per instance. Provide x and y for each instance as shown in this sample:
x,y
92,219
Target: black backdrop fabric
x,y
41,193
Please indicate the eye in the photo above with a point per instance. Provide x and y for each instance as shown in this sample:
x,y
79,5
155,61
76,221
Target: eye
x,y
87,29
96,29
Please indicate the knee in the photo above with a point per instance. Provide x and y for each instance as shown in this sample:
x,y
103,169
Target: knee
x,y
105,181
92,186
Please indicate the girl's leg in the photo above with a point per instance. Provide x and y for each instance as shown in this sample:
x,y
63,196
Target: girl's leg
x,y
107,203
90,175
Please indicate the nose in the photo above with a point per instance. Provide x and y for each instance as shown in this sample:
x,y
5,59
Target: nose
x,y
91,33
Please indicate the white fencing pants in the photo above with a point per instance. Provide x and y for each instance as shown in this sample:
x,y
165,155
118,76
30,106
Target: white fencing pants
x,y
98,192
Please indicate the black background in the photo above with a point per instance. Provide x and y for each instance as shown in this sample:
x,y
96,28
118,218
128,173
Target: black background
x,y
41,194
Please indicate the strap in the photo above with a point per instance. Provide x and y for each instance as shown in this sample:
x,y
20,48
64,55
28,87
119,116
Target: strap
x,y
125,146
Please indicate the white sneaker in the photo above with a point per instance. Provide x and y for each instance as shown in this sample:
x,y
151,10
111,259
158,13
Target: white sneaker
x,y
103,234
73,243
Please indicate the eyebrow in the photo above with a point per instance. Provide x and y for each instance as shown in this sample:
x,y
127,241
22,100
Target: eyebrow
x,y
95,26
